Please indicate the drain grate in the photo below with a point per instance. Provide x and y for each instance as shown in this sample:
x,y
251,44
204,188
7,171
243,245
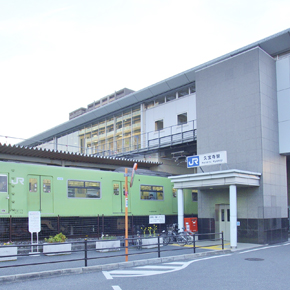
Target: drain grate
x,y
254,259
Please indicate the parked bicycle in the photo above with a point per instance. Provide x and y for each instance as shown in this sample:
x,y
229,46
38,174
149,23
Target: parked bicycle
x,y
173,235
139,241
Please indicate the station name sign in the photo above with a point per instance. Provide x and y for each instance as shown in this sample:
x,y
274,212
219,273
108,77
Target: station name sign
x,y
207,159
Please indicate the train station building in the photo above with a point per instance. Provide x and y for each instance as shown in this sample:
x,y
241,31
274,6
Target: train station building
x,y
238,103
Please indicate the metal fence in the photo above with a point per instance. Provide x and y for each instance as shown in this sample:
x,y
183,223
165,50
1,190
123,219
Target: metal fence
x,y
94,250
16,228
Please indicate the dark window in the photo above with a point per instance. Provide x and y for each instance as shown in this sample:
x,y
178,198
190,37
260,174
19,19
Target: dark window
x,y
194,195
182,119
84,189
151,192
3,183
158,125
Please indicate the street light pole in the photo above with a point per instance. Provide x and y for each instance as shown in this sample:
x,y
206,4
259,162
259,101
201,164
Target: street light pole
x,y
126,205
126,214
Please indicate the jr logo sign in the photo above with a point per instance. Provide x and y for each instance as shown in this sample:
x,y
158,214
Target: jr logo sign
x,y
192,161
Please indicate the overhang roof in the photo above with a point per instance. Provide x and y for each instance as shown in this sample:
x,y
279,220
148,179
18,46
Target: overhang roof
x,y
52,157
217,179
273,45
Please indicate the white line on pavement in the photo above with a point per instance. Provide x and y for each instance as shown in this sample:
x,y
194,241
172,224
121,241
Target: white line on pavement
x,y
107,275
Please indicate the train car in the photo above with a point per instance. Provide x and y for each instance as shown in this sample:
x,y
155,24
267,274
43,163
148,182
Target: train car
x,y
74,195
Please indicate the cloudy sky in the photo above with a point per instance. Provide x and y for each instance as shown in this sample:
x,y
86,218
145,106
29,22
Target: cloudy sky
x,y
59,55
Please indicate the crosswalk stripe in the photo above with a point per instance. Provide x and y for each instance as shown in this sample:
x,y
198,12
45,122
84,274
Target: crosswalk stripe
x,y
156,267
122,273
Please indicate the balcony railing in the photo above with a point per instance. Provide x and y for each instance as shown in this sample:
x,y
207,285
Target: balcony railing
x,y
168,136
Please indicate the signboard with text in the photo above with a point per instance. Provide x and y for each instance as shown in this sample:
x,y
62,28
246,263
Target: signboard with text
x,y
207,159
157,219
34,221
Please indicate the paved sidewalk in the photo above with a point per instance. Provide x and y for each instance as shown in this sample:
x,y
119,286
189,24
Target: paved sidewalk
x,y
107,261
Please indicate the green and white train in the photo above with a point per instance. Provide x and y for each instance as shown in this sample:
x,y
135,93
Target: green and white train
x,y
77,192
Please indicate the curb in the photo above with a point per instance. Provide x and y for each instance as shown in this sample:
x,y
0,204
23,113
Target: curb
x,y
106,267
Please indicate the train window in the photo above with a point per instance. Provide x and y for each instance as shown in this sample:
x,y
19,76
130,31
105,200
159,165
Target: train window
x,y
32,184
46,185
194,195
174,192
84,189
151,192
3,183
116,189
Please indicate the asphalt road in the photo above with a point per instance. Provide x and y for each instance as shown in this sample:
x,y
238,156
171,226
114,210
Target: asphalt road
x,y
264,268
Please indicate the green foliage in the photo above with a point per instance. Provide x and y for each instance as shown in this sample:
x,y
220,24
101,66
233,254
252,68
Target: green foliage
x,y
59,238
8,244
107,237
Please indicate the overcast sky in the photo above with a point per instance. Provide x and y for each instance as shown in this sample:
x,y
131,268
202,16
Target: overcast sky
x,y
59,55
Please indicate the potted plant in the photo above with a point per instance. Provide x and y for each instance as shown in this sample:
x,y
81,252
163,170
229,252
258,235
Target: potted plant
x,y
56,245
151,241
7,249
108,243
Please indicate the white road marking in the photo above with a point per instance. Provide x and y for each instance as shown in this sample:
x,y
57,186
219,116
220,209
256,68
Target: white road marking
x,y
262,248
116,287
107,275
157,267
150,270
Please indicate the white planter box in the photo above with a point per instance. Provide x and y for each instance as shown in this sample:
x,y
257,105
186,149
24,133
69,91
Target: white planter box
x,y
106,246
8,251
53,249
151,243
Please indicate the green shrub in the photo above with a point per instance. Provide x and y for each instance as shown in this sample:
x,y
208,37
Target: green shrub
x,y
107,237
59,238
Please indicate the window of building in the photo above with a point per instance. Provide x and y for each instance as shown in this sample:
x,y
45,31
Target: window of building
x,y
182,119
149,105
158,125
83,189
160,100
151,192
183,92
3,183
192,89
170,97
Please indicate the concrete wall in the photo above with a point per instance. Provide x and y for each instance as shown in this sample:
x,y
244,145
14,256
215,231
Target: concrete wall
x,y
283,95
237,112
168,112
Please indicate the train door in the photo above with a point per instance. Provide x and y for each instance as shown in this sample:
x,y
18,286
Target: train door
x,y
4,196
119,197
223,218
40,194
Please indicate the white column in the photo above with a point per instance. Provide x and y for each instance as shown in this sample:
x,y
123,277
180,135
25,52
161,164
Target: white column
x,y
180,204
233,216
55,143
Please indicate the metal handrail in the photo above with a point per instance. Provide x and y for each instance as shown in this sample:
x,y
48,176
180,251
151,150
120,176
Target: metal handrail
x,y
86,249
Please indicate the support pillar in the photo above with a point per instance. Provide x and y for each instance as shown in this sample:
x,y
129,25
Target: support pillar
x,y
180,204
233,216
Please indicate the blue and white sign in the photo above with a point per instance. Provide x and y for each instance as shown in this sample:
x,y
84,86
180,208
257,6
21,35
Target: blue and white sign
x,y
207,159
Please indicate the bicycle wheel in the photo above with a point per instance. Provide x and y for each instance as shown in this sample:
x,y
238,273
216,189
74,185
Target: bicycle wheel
x,y
181,240
139,244
165,240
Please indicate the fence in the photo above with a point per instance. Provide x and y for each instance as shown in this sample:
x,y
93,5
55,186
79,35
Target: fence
x,y
93,250
16,228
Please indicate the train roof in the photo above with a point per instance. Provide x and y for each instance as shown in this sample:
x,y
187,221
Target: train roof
x,y
61,158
